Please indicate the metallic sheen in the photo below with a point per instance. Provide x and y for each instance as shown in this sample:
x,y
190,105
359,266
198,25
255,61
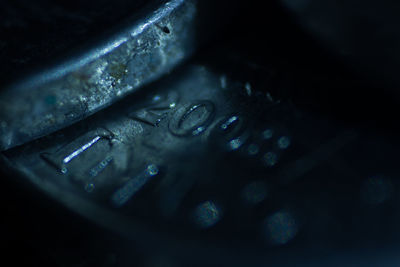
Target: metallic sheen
x,y
138,54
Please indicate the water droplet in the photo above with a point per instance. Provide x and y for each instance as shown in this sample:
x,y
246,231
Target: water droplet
x,y
89,187
267,134
376,190
253,149
207,214
284,142
152,169
280,228
270,159
255,192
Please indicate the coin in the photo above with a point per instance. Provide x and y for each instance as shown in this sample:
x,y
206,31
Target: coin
x,y
195,157
139,51
222,162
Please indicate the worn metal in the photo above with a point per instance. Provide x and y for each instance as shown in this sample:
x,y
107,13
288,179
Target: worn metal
x,y
142,51
214,165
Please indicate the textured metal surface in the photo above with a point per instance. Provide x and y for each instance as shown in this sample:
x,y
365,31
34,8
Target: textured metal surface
x,y
149,46
213,165
267,159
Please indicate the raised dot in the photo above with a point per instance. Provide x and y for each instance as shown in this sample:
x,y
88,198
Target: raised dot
x,y
235,144
207,214
270,159
284,142
152,169
267,134
253,149
280,228
255,192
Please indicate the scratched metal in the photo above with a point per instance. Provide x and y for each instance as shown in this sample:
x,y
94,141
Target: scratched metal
x,y
209,155
150,45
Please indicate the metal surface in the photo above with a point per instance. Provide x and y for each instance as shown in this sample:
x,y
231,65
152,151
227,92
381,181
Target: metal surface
x,y
256,153
148,46
213,165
